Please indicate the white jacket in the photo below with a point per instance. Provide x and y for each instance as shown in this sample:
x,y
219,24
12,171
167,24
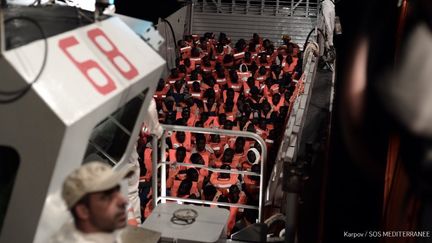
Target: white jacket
x,y
68,233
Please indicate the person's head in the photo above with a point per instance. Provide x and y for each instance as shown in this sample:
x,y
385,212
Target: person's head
x,y
196,87
276,98
204,117
161,85
192,174
197,159
289,59
180,136
174,73
200,143
184,188
256,38
180,154
234,193
251,128
187,62
169,103
265,106
239,145
228,125
224,199
229,105
254,91
180,122
250,215
248,56
250,81
227,156
209,192
185,113
178,85
256,168
215,138
233,76
253,156
224,175
262,70
222,118
219,49
92,194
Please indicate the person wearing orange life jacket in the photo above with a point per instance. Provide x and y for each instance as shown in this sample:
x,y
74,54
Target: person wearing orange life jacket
x,y
234,82
248,85
197,159
219,53
187,116
256,39
235,195
174,75
222,180
239,146
209,193
277,73
221,79
191,175
243,73
253,156
217,147
201,148
228,61
179,155
181,139
161,90
210,83
267,92
207,65
196,55
266,109
252,183
227,158
261,128
230,94
261,75
263,60
290,64
189,65
210,105
255,98
276,102
230,110
196,91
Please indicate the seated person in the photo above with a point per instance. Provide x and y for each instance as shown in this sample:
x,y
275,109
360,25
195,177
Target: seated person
x,y
227,158
223,180
252,157
181,139
251,183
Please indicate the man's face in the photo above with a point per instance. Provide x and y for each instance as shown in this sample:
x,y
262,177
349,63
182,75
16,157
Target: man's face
x,y
107,210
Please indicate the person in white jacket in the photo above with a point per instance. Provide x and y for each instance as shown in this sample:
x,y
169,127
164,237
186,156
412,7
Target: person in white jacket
x,y
152,126
328,9
92,194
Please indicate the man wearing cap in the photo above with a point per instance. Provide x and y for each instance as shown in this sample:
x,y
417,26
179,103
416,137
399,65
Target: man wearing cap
x,y
92,194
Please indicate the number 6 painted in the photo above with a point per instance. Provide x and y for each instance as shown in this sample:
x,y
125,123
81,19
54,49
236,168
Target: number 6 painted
x,y
91,69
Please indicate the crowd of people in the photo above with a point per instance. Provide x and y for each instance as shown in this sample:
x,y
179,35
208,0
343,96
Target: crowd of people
x,y
248,86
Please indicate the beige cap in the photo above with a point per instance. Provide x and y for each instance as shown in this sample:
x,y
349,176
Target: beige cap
x,y
91,177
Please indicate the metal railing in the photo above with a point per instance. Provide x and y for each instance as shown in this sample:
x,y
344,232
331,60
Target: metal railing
x,y
162,164
261,7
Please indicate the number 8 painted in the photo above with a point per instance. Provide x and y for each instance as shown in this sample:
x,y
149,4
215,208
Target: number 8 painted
x,y
106,46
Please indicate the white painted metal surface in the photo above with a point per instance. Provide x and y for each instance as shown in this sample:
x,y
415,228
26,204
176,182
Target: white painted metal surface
x,y
209,226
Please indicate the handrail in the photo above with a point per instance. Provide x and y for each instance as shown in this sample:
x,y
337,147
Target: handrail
x,y
163,197
237,205
240,172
